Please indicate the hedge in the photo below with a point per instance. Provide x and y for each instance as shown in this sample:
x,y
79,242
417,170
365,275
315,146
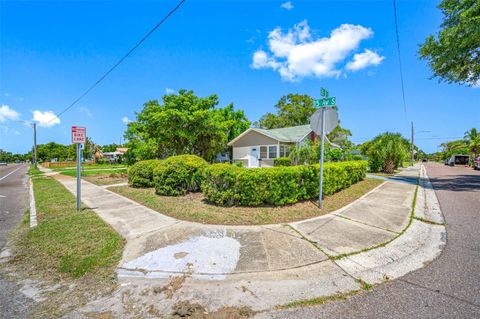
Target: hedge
x,y
282,161
140,174
178,175
229,185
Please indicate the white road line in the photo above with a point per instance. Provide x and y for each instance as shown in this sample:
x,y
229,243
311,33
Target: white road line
x,y
3,177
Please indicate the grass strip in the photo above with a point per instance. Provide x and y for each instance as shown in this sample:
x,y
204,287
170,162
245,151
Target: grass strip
x,y
65,242
87,172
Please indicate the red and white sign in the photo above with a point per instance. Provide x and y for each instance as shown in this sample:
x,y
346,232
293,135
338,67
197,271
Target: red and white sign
x,y
79,135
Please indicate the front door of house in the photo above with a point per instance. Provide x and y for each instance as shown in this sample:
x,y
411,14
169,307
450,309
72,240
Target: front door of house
x,y
253,160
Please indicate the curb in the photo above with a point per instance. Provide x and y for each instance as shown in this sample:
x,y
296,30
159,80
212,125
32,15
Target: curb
x,y
33,209
422,242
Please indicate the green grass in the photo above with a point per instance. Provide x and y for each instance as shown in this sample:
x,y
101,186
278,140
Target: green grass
x,y
66,242
88,172
193,207
34,171
88,166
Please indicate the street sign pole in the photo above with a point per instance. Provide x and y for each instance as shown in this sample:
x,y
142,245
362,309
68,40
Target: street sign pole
x,y
79,183
79,137
320,186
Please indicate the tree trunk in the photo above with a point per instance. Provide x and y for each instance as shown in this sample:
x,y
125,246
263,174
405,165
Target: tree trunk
x,y
389,167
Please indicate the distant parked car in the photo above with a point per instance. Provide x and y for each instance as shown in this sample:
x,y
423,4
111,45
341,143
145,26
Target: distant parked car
x,y
458,160
3,163
445,162
476,163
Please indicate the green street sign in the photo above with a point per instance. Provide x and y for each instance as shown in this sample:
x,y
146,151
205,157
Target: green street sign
x,y
329,101
323,92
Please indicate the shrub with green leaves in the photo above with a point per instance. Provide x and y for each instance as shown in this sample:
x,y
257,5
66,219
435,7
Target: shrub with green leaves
x,y
178,175
230,185
140,174
282,161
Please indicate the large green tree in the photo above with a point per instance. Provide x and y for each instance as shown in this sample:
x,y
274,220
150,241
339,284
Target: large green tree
x,y
183,124
454,54
292,110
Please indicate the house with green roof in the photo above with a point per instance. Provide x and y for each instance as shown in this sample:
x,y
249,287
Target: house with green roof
x,y
259,147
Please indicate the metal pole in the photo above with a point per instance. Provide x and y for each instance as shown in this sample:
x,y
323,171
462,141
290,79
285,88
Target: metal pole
x,y
78,179
35,144
321,160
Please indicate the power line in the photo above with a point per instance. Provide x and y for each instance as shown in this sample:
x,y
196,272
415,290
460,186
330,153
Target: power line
x,y
121,60
399,56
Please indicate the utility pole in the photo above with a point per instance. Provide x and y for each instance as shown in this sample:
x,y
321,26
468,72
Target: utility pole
x,y
412,159
35,144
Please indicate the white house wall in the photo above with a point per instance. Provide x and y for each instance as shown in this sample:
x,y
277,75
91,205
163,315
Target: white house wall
x,y
239,152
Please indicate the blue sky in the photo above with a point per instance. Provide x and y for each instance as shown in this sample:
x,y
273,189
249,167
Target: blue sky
x,y
52,51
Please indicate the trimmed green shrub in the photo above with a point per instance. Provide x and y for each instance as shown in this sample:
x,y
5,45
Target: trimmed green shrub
x,y
140,174
178,175
230,185
282,161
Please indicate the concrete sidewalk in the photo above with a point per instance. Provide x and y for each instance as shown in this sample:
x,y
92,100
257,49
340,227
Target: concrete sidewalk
x,y
264,266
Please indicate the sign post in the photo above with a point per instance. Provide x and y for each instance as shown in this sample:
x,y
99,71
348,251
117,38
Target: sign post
x,y
79,136
322,122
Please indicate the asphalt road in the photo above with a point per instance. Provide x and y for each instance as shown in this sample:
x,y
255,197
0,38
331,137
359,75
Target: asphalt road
x,y
13,199
449,287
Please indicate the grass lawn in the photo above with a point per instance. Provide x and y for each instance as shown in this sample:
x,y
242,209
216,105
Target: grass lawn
x,y
65,242
192,207
107,179
88,172
72,255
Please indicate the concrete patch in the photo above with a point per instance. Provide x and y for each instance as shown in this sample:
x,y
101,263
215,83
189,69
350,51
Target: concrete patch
x,y
420,244
214,256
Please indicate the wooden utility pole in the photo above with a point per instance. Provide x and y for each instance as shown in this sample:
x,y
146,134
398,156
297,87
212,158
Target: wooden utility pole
x,y
35,144
412,148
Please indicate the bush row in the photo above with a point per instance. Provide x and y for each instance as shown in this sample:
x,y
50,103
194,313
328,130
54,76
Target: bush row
x,y
229,185
140,174
178,175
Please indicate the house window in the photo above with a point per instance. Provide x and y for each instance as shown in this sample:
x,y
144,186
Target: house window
x,y
284,150
272,151
263,152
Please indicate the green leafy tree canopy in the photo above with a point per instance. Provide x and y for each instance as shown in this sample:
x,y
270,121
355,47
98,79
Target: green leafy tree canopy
x,y
183,124
454,55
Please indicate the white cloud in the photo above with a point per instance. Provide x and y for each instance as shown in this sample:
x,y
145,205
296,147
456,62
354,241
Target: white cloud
x,y
45,119
7,113
297,54
16,132
363,60
169,91
125,120
287,5
86,111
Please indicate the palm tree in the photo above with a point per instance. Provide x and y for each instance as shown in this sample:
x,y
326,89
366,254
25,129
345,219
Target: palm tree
x,y
472,138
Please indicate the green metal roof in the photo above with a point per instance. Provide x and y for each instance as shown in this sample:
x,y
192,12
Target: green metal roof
x,y
287,134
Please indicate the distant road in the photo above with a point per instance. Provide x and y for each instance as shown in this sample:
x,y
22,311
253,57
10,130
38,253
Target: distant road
x,y
449,287
13,199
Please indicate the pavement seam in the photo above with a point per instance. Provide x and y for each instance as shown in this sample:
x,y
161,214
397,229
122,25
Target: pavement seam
x,y
439,292
215,274
366,224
